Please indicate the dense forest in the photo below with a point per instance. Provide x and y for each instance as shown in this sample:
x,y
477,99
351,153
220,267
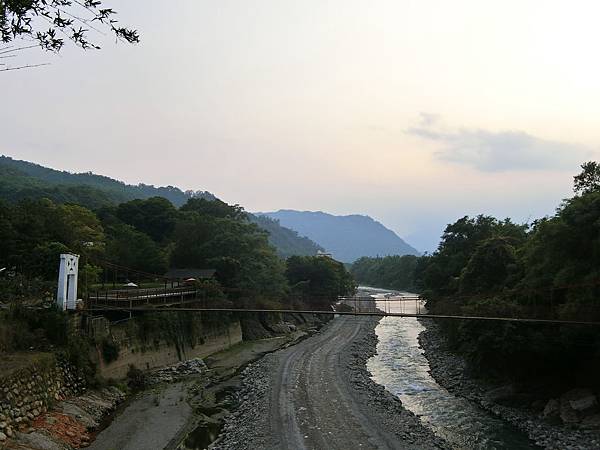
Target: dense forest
x,y
25,180
144,238
22,180
127,233
390,272
484,266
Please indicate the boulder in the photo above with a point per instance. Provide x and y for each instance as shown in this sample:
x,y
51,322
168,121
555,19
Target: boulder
x,y
581,400
567,414
552,409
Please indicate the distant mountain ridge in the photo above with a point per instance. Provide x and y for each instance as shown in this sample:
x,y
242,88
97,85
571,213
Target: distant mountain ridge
x,y
347,238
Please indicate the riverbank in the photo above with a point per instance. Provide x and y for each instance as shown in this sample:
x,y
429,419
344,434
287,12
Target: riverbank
x,y
186,411
449,370
319,394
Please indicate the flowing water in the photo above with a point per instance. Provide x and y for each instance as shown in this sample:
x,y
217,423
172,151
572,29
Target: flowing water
x,y
400,366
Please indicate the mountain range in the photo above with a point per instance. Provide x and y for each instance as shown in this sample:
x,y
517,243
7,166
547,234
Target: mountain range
x,y
347,238
291,232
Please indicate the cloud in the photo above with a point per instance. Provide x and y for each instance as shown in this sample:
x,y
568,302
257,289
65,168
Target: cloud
x,y
499,151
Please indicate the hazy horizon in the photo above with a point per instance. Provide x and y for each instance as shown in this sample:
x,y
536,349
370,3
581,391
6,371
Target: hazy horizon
x,y
414,113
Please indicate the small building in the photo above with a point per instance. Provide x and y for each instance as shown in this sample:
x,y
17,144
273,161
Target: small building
x,y
186,275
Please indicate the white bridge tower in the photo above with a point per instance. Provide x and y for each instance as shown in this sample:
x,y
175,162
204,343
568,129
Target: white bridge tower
x,y
66,297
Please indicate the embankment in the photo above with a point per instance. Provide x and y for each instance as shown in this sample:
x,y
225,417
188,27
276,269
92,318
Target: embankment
x,y
505,401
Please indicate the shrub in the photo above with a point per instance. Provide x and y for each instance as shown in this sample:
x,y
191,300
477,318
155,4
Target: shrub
x,y
136,379
110,350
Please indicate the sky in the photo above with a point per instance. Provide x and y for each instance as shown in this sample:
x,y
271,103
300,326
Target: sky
x,y
413,112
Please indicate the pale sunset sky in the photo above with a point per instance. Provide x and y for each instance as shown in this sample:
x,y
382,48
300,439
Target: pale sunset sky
x,y
413,112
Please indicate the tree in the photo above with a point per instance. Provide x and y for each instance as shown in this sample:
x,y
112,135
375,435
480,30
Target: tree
x,y
131,248
214,208
489,268
589,178
155,216
238,249
320,280
50,22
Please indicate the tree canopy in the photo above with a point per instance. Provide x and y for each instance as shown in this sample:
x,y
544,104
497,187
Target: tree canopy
x,y
319,279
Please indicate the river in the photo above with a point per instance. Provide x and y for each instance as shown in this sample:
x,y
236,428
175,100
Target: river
x,y
401,368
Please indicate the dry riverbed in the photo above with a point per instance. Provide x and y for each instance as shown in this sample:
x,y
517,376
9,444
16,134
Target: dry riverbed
x,y
185,410
319,395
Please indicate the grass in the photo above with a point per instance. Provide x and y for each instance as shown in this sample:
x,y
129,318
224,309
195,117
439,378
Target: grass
x,y
13,362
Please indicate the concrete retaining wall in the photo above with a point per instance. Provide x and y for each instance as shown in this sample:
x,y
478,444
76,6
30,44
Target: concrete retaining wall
x,y
132,352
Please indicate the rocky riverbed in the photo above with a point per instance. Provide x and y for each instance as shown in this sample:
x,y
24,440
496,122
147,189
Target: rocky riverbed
x,y
449,370
311,415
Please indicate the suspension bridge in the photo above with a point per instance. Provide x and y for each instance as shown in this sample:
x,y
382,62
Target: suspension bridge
x,y
178,296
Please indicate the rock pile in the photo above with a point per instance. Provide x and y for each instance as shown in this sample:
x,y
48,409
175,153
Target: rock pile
x,y
178,371
70,422
249,421
29,392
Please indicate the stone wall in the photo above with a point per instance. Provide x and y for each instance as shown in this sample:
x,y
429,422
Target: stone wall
x,y
160,354
30,390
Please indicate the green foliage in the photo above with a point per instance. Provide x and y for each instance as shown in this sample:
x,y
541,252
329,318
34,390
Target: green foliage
x,y
20,180
220,237
441,274
391,272
110,350
214,208
318,279
589,178
286,241
136,379
131,248
486,267
155,217
491,267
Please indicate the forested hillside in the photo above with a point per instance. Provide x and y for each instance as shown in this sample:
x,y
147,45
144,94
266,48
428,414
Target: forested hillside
x,y
390,272
22,180
549,269
347,238
287,242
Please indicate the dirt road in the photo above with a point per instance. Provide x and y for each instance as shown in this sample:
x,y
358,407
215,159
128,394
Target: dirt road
x,y
318,395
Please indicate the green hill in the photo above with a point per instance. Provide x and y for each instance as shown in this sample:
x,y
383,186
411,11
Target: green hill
x,y
23,179
287,242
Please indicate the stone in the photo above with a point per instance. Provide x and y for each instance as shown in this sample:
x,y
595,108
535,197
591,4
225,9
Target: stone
x,y
552,409
3,437
581,399
567,414
591,422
